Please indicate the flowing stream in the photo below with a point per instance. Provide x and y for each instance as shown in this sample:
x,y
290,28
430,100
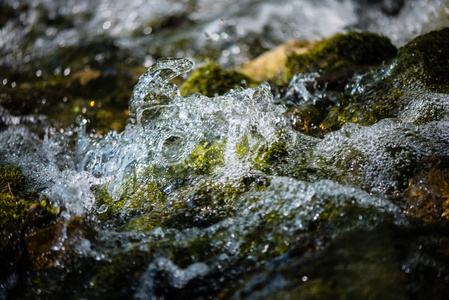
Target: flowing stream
x,y
218,197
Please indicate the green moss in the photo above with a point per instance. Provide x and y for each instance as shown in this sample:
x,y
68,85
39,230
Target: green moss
x,y
421,65
20,209
199,204
352,50
11,179
426,59
192,201
337,59
337,218
21,212
268,158
206,158
136,197
143,196
211,80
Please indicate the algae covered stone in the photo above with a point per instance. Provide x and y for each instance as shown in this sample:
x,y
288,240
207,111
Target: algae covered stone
x,y
212,80
352,50
21,211
420,66
317,77
427,195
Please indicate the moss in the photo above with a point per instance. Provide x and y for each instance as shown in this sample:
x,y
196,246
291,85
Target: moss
x,y
268,158
421,65
136,197
206,158
352,50
190,200
426,198
20,209
426,59
336,60
200,204
337,218
11,179
211,80
21,212
155,195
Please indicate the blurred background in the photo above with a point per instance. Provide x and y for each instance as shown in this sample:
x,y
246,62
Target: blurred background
x,y
64,58
51,37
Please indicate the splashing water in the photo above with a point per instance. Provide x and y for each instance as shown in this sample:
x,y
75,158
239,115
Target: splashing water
x,y
164,128
223,179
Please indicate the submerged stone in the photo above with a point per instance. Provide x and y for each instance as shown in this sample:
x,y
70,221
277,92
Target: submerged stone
x,y
53,246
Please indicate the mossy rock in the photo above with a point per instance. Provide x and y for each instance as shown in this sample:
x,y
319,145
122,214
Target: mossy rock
x,y
334,61
352,50
20,208
56,244
21,212
420,66
90,80
427,195
62,99
198,203
212,80
426,60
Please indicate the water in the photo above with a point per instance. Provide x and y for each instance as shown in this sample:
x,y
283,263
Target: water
x,y
213,188
218,197
142,31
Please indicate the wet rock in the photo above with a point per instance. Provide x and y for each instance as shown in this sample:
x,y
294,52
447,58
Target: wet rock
x,y
341,52
321,71
199,193
62,99
212,80
90,80
271,65
427,196
54,245
420,66
21,211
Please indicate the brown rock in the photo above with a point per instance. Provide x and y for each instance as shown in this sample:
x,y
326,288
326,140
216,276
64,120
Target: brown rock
x,y
270,66
52,245
427,196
